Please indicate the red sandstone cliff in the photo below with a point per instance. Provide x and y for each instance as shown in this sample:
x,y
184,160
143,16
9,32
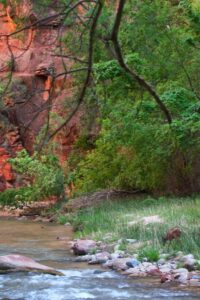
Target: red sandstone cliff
x,y
27,61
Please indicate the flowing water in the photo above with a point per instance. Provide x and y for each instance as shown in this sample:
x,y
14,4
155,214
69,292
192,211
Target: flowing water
x,y
41,242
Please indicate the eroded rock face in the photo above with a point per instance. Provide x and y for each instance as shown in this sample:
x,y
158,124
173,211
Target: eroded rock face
x,y
31,57
9,145
16,263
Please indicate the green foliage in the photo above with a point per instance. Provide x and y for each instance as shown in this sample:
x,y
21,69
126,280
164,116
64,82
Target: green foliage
x,y
43,174
136,148
62,219
113,220
150,253
4,2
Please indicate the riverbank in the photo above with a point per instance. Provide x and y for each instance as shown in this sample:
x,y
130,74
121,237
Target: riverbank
x,y
132,231
80,281
127,235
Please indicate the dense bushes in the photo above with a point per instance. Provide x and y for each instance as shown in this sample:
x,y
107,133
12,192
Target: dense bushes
x,y
136,148
134,152
42,177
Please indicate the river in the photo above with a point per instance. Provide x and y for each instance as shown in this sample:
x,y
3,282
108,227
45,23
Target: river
x,y
48,244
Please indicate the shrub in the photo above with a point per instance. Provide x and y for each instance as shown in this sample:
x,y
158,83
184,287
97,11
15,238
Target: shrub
x,y
44,175
151,254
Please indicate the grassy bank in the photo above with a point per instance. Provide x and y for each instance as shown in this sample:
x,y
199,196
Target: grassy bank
x,y
145,220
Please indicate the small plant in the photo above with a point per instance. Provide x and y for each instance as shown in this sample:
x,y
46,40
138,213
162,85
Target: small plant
x,y
62,219
123,245
150,253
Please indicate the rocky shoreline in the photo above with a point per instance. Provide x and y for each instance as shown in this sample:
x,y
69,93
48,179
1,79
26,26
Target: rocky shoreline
x,y
181,269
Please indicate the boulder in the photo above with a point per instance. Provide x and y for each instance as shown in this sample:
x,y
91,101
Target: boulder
x,y
100,258
83,247
17,263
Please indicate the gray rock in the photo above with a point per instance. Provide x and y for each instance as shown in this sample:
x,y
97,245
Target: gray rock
x,y
186,257
109,263
181,275
146,264
133,263
131,241
116,255
166,268
161,261
120,253
100,258
120,264
84,258
135,272
189,263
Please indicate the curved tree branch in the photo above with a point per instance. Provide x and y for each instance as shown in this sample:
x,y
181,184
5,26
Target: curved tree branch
x,y
141,81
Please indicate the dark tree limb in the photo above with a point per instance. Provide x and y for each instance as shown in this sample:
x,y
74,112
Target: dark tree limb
x,y
80,100
141,81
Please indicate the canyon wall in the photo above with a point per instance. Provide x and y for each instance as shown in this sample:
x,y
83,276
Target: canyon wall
x,y
29,86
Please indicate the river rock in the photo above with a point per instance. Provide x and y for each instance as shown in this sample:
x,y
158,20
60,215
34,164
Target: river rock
x,y
99,258
135,272
189,264
84,258
16,263
120,264
166,268
132,263
161,262
166,277
181,275
117,264
153,271
83,247
186,257
116,255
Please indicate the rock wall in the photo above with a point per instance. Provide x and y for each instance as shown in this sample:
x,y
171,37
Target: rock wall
x,y
28,62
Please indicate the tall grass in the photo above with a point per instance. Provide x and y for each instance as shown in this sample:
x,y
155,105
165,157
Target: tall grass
x,y
112,220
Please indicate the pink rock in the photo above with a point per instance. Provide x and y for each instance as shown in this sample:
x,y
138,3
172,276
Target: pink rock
x,y
166,277
83,247
120,264
10,263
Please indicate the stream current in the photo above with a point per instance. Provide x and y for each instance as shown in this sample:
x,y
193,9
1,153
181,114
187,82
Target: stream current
x,y
48,244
